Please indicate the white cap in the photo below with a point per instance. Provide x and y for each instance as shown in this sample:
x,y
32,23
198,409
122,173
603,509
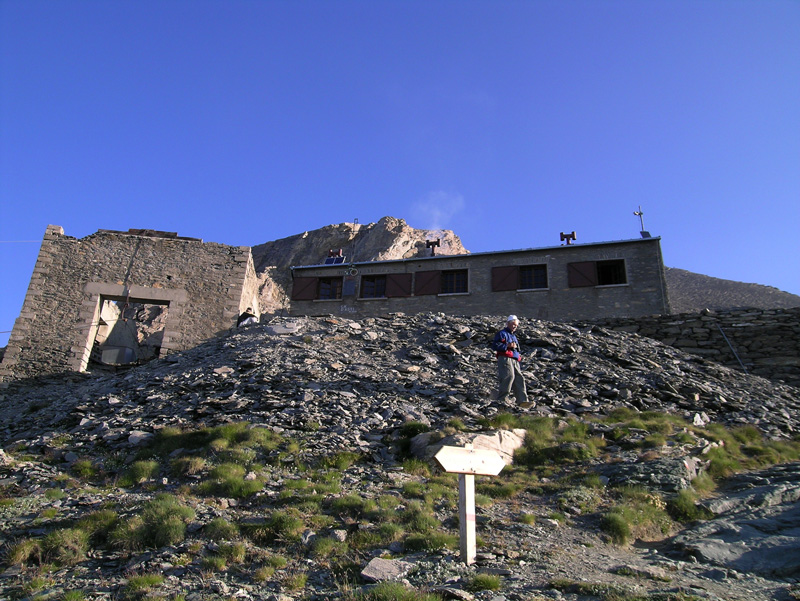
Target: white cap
x,y
512,318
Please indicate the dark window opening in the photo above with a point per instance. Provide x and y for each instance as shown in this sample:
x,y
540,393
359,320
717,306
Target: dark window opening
x,y
610,273
532,276
128,332
330,289
597,273
373,286
455,281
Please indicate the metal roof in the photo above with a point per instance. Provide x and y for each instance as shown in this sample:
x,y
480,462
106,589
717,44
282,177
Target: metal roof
x,y
484,253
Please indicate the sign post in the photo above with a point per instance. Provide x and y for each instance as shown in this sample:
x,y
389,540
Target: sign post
x,y
467,463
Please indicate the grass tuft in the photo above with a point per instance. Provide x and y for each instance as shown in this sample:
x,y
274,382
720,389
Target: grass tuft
x,y
139,472
66,547
26,551
430,541
84,469
162,522
221,529
392,591
483,582
683,508
340,461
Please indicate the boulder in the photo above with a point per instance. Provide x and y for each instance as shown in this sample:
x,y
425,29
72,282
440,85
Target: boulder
x,y
505,442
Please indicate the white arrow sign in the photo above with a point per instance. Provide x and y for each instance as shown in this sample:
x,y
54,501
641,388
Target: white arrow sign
x,y
478,462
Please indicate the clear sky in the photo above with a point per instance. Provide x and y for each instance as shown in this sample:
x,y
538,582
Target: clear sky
x,y
508,122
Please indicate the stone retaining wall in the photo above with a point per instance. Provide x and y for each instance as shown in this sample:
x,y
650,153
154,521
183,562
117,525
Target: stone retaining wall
x,y
765,342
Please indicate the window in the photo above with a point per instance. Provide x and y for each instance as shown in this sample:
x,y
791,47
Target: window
x,y
597,273
513,277
610,273
329,288
454,281
373,286
532,276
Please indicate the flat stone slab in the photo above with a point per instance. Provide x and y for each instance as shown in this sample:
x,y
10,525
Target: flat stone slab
x,y
283,329
380,570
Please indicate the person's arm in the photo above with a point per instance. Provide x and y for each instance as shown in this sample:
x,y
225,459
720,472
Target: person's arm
x,y
500,343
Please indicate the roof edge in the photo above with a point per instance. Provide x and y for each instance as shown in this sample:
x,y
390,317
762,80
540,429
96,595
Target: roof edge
x,y
484,253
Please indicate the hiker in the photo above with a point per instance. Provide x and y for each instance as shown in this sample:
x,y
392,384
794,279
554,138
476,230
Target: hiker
x,y
246,318
509,374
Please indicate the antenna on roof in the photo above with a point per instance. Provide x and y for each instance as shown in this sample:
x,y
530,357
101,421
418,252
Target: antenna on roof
x,y
640,215
352,271
432,244
570,237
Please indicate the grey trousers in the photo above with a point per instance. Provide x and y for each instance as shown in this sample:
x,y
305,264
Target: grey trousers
x,y
509,375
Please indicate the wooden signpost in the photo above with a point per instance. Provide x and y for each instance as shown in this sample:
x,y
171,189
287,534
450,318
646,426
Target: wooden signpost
x,y
467,463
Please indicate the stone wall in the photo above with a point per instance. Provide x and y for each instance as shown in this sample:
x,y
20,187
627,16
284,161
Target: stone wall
x,y
642,293
203,285
764,342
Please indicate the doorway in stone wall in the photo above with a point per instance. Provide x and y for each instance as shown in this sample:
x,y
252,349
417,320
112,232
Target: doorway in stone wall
x,y
128,333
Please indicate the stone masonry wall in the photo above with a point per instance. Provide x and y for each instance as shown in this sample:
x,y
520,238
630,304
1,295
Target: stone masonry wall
x,y
766,341
203,284
643,294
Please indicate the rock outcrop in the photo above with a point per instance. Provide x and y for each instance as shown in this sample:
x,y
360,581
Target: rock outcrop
x,y
756,525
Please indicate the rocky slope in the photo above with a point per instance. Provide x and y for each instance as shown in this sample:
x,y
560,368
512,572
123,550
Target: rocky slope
x,y
692,292
327,385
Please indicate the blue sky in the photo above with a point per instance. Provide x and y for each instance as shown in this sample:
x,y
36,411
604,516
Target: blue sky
x,y
508,122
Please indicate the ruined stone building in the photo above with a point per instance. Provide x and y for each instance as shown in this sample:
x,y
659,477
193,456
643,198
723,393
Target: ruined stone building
x,y
560,283
121,297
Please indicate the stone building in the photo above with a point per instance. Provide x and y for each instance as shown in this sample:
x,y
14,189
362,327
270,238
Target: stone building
x,y
125,297
561,283
119,297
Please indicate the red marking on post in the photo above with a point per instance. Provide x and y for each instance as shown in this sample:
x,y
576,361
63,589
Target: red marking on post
x,y
470,517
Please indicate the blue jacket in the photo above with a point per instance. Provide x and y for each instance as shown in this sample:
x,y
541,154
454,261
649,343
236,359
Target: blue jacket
x,y
501,341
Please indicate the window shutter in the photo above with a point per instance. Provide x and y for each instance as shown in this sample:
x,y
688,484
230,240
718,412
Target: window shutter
x,y
304,289
505,278
398,284
582,274
427,282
